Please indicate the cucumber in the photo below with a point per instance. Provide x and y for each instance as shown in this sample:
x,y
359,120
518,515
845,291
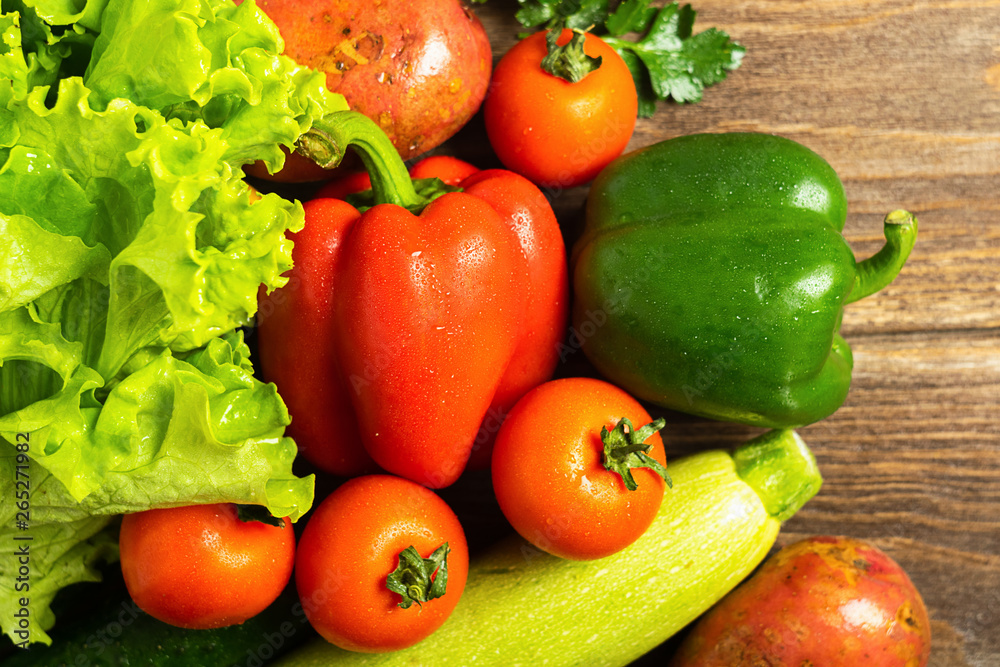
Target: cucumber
x,y
118,633
524,607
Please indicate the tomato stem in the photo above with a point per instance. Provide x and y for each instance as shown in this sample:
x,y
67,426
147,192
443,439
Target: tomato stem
x,y
414,578
568,62
624,450
328,139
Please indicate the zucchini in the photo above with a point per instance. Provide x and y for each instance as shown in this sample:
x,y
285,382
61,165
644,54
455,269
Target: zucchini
x,y
524,607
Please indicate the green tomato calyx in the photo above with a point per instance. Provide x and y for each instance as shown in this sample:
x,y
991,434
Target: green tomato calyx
x,y
624,450
568,62
414,578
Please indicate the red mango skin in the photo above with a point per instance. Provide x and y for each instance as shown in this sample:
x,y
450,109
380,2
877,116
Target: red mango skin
x,y
825,601
546,300
419,69
296,332
429,309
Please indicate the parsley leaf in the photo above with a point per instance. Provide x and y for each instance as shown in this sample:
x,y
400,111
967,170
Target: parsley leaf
x,y
667,60
580,14
630,16
680,64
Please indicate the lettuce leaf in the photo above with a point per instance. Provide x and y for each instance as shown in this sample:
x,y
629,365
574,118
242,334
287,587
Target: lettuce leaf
x,y
48,52
131,252
216,62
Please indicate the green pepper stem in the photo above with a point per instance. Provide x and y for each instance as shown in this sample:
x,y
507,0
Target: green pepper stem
x,y
876,272
780,468
326,142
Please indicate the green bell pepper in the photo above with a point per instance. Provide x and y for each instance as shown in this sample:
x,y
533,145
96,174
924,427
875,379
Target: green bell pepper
x,y
711,277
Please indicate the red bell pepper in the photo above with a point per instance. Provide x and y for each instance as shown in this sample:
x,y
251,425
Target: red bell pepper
x,y
545,299
296,333
400,332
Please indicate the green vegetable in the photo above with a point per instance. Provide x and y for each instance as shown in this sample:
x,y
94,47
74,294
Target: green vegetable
x,y
118,633
667,61
714,527
130,253
711,278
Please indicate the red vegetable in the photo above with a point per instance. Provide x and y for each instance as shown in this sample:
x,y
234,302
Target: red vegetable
x,y
340,188
401,332
556,133
545,299
563,472
297,333
202,567
419,69
821,601
356,539
428,310
449,169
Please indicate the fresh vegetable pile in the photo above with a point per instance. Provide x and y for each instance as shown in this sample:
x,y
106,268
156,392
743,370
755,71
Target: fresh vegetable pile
x,y
408,323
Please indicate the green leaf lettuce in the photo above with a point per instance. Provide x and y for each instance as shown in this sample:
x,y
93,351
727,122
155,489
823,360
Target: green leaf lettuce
x,y
131,251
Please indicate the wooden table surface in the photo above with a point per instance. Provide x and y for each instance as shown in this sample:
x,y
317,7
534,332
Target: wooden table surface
x,y
903,99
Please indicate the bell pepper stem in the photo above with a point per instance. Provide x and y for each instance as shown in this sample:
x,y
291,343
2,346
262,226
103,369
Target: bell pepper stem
x,y
327,141
880,269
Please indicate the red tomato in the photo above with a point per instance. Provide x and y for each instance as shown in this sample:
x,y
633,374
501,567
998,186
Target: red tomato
x,y
353,543
449,169
556,133
550,479
202,567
